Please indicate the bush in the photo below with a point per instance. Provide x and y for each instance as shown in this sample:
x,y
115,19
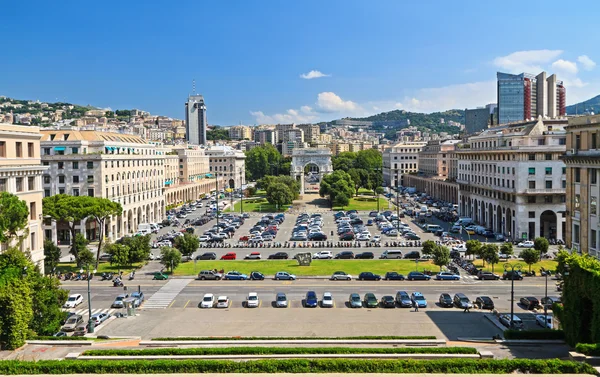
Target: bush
x,y
423,337
590,349
278,351
525,366
546,334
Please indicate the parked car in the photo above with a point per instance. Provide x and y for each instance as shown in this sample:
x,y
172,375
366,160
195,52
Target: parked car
x,y
282,275
419,299
415,275
412,255
403,299
255,275
223,302
81,330
73,301
364,255
461,301
253,256
311,300
527,244
512,275
323,255
139,298
412,237
354,301
462,248
279,255
118,303
281,300
341,275
368,276
529,302
446,276
207,256
344,255
485,275
252,300
72,323
388,302
517,322
548,301
371,301
484,302
235,275
544,321
327,300
209,275
229,256
445,301
393,276
208,301
99,318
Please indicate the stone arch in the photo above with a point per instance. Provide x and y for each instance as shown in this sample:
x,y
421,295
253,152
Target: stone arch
x,y
548,224
320,157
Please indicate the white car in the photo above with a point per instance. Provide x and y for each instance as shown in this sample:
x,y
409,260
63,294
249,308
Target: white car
x,y
376,238
341,275
327,301
460,248
252,300
257,239
362,237
73,301
541,319
323,255
204,238
525,244
208,301
222,302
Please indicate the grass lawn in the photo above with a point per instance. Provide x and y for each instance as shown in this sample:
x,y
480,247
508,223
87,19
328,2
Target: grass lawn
x,y
365,191
317,267
364,203
256,205
261,192
548,264
102,267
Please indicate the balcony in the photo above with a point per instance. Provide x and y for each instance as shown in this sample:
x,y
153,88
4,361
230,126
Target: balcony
x,y
546,191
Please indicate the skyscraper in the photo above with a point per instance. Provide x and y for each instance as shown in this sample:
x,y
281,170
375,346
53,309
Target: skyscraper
x,y
526,96
195,120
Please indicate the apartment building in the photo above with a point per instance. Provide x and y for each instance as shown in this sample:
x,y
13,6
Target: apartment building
x,y
434,158
311,132
281,130
21,174
240,133
512,180
582,159
265,136
400,159
229,163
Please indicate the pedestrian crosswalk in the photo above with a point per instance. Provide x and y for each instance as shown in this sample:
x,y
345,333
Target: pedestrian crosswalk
x,y
165,295
84,312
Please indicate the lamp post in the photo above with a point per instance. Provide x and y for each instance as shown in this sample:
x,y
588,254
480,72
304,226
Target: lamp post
x,y
512,267
377,171
242,191
90,322
217,194
397,209
546,303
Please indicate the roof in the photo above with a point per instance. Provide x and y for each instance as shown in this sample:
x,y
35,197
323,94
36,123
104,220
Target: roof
x,y
73,135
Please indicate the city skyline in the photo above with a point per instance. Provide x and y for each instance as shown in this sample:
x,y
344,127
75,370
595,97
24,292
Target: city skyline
x,y
303,72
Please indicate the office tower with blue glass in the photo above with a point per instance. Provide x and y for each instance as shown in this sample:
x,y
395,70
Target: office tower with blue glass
x,y
195,120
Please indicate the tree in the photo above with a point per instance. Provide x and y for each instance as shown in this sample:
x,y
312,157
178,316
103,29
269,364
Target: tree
x,y
473,247
47,301
79,244
262,160
360,177
338,183
341,200
67,208
541,244
139,248
187,244
170,257
250,191
52,256
530,256
85,257
489,253
279,194
15,216
344,161
102,209
119,254
507,248
427,247
441,256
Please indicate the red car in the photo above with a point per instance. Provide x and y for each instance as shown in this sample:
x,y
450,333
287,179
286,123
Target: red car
x,y
228,256
244,238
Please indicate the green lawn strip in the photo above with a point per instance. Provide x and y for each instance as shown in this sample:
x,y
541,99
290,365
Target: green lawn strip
x,y
279,351
543,334
589,349
364,203
256,205
364,337
65,267
61,338
316,268
526,366
548,264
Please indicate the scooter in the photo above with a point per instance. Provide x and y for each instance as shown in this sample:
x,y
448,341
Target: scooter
x,y
117,283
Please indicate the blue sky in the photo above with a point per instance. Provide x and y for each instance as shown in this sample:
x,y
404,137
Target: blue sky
x,y
247,57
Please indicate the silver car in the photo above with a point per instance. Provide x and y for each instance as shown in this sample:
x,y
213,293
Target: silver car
x,y
281,300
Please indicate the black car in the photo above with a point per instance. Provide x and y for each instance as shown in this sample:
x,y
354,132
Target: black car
x,y
414,275
207,256
446,301
349,236
412,255
368,276
365,255
255,275
512,275
279,255
388,302
317,237
484,302
344,255
393,276
529,302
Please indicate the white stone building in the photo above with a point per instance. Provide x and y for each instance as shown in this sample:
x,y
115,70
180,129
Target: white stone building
x,y
228,163
402,158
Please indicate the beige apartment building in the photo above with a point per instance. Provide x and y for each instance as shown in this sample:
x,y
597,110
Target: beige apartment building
x,y
240,133
400,160
228,163
21,174
436,158
311,132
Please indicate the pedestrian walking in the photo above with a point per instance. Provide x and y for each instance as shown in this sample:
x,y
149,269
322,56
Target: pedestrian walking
x,y
467,309
416,306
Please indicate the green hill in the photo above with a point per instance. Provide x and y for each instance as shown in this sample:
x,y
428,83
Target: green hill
x,y
419,119
592,104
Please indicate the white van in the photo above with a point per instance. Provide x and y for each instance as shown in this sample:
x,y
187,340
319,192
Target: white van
x,y
145,227
464,221
433,228
343,219
391,254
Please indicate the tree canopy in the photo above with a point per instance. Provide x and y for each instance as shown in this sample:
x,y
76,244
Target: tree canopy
x,y
363,166
217,133
187,244
530,256
261,161
338,187
14,215
441,256
170,257
102,209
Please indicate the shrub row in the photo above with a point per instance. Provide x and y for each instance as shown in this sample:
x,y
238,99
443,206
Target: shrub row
x,y
276,351
424,337
553,366
546,334
590,349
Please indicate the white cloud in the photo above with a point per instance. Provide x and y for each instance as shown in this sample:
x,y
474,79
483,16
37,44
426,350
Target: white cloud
x,y
305,115
458,96
586,62
565,67
314,74
330,102
526,61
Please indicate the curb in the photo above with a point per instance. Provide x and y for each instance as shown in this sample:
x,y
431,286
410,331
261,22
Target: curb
x,y
61,342
527,342
411,342
420,356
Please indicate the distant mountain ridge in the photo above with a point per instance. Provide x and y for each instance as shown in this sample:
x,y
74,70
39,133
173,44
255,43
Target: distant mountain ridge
x,y
591,105
423,122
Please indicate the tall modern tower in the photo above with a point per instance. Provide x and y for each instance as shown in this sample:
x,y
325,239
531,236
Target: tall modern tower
x,y
195,120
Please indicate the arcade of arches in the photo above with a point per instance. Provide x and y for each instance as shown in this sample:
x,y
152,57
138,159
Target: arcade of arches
x,y
443,190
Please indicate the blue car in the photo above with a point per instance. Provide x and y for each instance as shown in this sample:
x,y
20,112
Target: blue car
x,y
235,275
419,299
311,300
447,276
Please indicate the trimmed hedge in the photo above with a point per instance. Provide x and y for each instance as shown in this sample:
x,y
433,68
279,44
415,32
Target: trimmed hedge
x,y
424,337
589,349
546,334
552,366
276,351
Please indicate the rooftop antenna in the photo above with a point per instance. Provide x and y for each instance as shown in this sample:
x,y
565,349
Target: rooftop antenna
x,y
194,86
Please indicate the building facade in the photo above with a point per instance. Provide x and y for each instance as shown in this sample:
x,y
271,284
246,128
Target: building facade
x,y
311,132
265,136
240,133
401,159
228,163
434,158
513,181
21,173
582,159
477,120
195,120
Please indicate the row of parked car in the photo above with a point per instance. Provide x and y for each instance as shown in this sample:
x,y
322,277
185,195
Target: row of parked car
x,y
308,228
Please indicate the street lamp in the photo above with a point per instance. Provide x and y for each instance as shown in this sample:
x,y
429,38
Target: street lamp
x,y
512,267
217,194
377,170
397,209
241,191
90,322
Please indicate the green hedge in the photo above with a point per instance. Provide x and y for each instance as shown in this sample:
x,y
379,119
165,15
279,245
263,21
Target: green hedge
x,y
590,349
276,351
424,337
552,366
59,338
546,334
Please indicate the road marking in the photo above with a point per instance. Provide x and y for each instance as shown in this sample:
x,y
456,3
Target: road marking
x,y
186,304
172,302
